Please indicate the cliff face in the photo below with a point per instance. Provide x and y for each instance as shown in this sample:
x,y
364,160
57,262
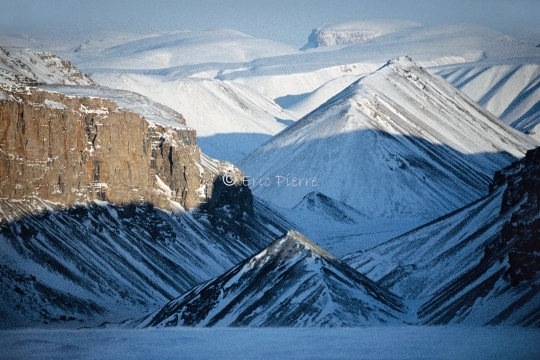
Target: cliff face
x,y
70,259
520,236
70,150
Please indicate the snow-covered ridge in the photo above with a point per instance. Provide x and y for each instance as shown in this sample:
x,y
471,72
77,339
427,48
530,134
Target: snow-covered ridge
x,y
153,112
388,145
27,67
508,89
293,283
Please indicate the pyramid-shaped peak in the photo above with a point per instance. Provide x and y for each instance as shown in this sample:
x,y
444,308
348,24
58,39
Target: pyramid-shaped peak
x,y
294,242
292,282
402,65
387,144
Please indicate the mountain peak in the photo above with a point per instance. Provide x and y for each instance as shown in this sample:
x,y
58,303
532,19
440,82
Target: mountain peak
x,y
292,282
388,144
295,243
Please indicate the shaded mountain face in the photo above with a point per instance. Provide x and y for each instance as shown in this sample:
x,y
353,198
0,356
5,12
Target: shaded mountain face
x,y
520,235
478,265
292,282
96,262
399,143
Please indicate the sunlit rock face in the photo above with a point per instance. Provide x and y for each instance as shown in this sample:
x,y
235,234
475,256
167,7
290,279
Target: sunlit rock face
x,y
69,149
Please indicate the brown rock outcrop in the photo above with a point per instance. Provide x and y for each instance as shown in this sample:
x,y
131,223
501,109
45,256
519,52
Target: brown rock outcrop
x,y
70,150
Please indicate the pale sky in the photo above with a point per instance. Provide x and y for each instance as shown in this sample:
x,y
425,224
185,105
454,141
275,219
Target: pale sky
x,y
288,21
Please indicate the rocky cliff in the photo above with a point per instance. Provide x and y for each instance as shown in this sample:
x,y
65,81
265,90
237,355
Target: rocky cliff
x,y
520,236
353,32
69,149
93,184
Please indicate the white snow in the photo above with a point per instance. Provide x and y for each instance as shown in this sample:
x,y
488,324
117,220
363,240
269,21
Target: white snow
x,y
54,104
231,120
391,145
153,112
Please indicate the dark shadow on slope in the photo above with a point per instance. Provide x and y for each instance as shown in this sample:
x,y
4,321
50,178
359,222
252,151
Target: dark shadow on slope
x,y
290,100
447,178
124,259
232,146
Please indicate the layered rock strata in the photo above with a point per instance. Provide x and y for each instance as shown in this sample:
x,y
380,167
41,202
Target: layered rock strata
x,y
70,150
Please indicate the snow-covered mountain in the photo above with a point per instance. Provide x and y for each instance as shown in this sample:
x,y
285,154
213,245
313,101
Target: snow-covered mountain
x,y
159,65
353,32
478,265
510,90
399,143
231,120
82,265
24,66
108,208
172,49
292,282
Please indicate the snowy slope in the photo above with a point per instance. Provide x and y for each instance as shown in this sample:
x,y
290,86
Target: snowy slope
x,y
449,243
399,143
23,66
511,91
292,282
95,262
180,48
231,120
478,265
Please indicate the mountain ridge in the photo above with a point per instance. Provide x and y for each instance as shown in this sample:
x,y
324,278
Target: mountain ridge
x,y
292,282
418,126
